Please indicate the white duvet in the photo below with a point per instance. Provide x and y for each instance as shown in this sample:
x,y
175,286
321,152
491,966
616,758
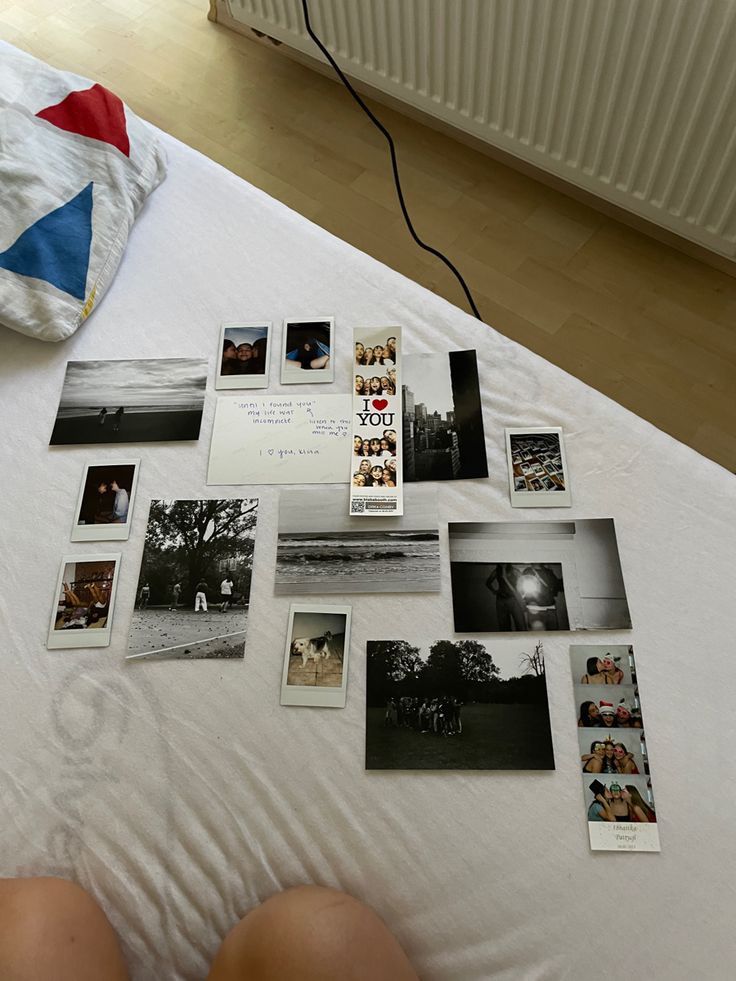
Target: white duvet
x,y
181,793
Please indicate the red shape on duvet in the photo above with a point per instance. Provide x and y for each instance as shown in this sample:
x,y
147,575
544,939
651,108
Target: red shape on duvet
x,y
96,113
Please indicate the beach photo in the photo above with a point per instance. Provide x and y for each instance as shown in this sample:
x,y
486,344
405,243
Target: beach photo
x,y
193,591
105,502
316,656
130,401
244,356
456,705
537,468
321,549
443,436
537,575
307,351
84,601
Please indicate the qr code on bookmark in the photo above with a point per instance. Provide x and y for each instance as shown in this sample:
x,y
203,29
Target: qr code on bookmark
x,y
357,507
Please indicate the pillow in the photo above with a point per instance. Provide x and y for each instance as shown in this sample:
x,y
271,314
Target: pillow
x,y
76,166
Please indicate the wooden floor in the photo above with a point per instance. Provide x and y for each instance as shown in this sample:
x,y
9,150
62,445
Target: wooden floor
x,y
653,329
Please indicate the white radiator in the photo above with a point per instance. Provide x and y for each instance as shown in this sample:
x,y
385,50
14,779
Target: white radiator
x,y
632,100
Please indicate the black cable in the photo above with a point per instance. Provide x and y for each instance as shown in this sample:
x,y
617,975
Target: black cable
x,y
394,163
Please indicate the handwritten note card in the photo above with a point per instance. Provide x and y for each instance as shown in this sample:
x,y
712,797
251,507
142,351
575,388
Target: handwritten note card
x,y
280,439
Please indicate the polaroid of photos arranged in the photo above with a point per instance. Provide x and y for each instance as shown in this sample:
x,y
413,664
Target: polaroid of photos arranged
x,y
461,704
376,462
244,356
538,474
84,601
193,592
316,656
614,762
307,351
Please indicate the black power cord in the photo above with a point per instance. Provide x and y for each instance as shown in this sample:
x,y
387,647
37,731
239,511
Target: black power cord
x,y
394,163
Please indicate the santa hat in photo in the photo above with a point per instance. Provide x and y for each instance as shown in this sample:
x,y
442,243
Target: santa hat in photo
x,y
606,708
623,709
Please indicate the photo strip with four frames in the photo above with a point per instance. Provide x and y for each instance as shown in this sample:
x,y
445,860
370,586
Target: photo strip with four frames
x,y
476,701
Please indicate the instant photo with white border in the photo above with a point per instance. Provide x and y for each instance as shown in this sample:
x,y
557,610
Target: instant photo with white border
x,y
310,376
112,531
87,636
545,498
255,380
315,651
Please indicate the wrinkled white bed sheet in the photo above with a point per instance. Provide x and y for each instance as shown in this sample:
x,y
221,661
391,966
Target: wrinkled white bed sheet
x,y
181,793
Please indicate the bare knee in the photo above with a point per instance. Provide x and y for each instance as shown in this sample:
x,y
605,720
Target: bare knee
x,y
311,932
50,927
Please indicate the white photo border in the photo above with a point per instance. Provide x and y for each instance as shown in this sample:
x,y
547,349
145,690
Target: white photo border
x,y
312,695
321,376
537,499
57,639
244,381
111,532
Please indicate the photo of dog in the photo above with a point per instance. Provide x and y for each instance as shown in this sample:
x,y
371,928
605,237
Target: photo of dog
x,y
317,648
315,656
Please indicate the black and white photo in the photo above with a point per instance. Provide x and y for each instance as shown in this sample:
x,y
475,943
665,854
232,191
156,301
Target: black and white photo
x,y
137,401
538,474
537,576
322,550
307,354
84,601
443,436
193,592
244,357
105,503
316,656
457,705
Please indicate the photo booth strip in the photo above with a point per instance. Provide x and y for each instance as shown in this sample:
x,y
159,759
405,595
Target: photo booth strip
x,y
613,758
377,418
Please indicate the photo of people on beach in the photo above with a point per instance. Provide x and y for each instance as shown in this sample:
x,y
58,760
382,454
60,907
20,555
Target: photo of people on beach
x,y
138,401
84,602
307,351
105,502
245,354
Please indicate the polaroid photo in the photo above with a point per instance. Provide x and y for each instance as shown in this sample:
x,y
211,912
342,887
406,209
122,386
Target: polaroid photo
x,y
138,401
105,502
321,549
193,594
538,454
537,576
307,355
244,358
316,656
443,431
457,705
84,601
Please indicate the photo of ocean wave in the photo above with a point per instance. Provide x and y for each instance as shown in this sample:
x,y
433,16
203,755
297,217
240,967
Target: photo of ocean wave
x,y
370,561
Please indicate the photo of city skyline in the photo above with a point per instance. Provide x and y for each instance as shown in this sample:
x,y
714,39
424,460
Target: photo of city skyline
x,y
443,436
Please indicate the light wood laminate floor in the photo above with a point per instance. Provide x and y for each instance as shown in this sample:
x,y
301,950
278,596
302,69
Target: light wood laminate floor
x,y
646,325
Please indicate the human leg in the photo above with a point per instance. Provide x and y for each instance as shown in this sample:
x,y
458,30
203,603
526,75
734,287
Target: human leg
x,y
52,930
311,934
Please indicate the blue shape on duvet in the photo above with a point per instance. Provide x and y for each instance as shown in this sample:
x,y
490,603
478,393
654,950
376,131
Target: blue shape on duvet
x,y
56,248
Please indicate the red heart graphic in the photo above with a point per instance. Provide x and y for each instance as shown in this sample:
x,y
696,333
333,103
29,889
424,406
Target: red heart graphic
x,y
379,404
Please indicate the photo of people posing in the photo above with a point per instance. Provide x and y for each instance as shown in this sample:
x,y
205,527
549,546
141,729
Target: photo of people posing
x,y
244,356
617,799
374,460
378,355
105,501
603,711
614,760
85,596
307,351
375,367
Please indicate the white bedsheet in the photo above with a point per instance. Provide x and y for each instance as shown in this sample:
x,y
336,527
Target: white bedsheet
x,y
181,793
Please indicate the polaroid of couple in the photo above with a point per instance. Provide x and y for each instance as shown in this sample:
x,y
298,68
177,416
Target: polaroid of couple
x,y
105,501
